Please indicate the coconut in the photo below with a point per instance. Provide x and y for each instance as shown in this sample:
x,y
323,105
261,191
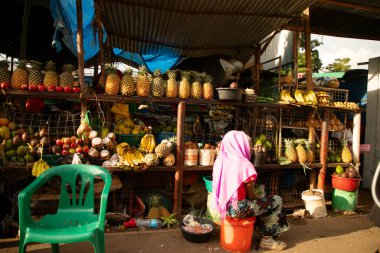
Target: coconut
x,y
93,153
105,154
96,143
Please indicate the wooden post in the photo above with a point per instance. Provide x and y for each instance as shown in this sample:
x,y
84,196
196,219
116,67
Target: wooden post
x,y
324,149
295,55
257,67
81,54
24,29
356,139
179,172
309,80
312,146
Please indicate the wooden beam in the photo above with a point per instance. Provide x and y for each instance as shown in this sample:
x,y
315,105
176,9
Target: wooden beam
x,y
257,68
356,138
24,29
295,55
309,80
80,50
351,6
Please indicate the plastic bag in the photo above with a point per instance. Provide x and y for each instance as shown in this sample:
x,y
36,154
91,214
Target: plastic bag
x,y
85,126
76,159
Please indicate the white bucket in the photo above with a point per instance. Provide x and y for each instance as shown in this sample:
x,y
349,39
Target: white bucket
x,y
315,205
206,157
190,157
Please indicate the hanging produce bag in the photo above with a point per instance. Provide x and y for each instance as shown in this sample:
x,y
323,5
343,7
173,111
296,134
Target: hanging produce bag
x,y
85,126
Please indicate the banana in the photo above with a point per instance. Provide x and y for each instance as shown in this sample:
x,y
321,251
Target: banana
x,y
313,97
298,94
129,159
152,144
140,156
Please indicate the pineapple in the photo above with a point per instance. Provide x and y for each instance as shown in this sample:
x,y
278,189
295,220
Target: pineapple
x,y
5,74
112,85
169,160
163,149
309,153
158,86
143,82
208,89
51,76
287,78
184,85
290,151
20,75
66,78
301,153
156,210
128,86
196,86
346,153
171,87
35,75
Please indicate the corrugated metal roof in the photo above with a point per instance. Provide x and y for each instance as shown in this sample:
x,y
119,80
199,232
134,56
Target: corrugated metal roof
x,y
195,28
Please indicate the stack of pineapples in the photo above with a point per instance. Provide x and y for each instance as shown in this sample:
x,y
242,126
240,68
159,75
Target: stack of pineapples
x,y
298,150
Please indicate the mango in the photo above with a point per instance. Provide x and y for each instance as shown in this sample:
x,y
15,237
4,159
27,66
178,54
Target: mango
x,y
4,132
22,150
8,144
28,158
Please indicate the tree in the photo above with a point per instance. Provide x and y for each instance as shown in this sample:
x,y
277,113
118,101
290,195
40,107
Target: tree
x,y
339,65
316,63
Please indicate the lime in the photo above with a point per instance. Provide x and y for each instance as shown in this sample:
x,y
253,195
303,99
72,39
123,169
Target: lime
x,y
339,169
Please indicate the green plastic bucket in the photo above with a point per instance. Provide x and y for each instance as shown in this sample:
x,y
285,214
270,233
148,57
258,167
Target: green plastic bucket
x,y
344,200
208,183
211,213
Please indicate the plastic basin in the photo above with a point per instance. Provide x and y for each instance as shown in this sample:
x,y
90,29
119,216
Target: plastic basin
x,y
230,93
208,182
345,184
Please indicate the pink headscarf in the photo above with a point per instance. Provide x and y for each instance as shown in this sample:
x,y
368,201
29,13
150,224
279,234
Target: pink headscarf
x,y
231,169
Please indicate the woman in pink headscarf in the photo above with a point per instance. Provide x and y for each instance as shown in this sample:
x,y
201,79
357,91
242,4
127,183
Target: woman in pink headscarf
x,y
234,193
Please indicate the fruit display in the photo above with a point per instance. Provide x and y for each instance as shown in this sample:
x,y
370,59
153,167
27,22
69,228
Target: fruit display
x,y
346,105
207,88
171,87
346,153
148,142
128,85
35,77
184,85
305,97
349,172
196,85
66,78
51,78
129,157
5,74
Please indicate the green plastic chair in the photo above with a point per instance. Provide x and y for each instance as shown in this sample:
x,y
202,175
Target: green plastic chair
x,y
75,221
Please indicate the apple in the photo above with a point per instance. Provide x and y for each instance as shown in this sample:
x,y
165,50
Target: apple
x,y
76,89
33,87
85,149
65,152
59,142
73,145
66,146
66,140
24,86
72,150
4,85
67,89
79,142
79,149
51,88
73,139
41,87
59,89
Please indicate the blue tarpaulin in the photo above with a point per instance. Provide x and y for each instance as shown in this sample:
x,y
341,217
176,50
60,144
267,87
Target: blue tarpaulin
x,y
65,20
152,62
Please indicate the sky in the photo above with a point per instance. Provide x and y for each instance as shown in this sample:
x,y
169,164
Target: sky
x,y
357,50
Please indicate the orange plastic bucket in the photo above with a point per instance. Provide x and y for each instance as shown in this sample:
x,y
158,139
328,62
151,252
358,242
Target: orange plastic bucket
x,y
236,234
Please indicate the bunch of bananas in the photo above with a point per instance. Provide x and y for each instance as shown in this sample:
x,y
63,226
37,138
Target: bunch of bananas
x,y
346,105
130,157
286,98
148,143
39,167
305,97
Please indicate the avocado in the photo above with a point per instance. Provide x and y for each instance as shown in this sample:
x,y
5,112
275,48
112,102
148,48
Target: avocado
x,y
8,144
10,153
22,150
28,158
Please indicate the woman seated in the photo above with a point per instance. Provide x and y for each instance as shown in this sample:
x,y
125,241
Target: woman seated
x,y
234,195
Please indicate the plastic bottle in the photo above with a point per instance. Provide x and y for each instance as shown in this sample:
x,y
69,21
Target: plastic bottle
x,y
146,223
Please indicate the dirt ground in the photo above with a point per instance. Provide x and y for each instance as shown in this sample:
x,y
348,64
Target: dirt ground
x,y
337,233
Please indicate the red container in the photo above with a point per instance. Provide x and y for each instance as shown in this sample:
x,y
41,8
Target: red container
x,y
345,184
